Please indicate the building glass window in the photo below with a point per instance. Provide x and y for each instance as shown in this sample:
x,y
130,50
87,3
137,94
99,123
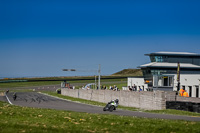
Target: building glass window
x,y
171,81
158,59
158,72
161,80
152,58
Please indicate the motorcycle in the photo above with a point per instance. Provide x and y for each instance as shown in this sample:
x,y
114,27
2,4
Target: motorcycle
x,y
14,96
112,105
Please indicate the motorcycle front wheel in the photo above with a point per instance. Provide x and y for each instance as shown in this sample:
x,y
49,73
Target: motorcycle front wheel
x,y
112,108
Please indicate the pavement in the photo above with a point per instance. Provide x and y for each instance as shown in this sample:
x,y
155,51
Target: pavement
x,y
39,100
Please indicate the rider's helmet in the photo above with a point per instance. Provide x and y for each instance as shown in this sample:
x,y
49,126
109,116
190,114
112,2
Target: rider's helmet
x,y
117,101
112,101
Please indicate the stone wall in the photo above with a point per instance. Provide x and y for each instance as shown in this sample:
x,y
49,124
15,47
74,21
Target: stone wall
x,y
188,99
145,100
171,96
156,100
174,101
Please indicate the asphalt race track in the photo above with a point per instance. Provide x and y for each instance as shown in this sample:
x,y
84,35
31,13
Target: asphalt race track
x,y
38,100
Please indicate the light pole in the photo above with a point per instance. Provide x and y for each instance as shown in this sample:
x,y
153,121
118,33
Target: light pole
x,y
99,71
95,82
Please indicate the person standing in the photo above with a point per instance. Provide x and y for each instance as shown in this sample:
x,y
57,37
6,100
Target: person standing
x,y
134,88
140,89
181,92
185,94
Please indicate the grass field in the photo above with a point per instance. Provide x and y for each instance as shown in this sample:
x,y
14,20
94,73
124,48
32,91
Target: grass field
x,y
24,119
52,82
27,84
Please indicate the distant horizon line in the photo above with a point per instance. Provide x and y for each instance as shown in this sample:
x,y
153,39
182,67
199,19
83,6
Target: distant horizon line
x,y
11,77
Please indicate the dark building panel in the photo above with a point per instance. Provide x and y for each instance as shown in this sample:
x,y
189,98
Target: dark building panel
x,y
174,57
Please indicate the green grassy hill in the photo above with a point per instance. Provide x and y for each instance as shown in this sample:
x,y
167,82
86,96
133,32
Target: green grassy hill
x,y
129,72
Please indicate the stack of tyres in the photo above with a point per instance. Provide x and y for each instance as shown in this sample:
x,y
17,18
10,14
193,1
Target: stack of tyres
x,y
186,106
189,106
178,105
195,107
198,107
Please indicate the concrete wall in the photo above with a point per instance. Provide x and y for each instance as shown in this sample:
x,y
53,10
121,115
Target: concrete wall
x,y
145,100
171,96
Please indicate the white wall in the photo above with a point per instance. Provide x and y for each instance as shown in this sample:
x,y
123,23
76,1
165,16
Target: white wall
x,y
187,80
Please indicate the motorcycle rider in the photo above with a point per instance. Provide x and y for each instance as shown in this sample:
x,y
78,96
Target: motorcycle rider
x,y
114,101
14,96
117,101
112,104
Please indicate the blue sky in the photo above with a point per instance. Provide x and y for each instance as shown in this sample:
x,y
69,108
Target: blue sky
x,y
40,38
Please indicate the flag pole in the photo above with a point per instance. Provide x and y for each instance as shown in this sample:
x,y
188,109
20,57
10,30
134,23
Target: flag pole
x,y
178,76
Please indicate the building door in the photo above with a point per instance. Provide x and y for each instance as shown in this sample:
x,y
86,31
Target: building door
x,y
197,91
165,81
183,87
190,91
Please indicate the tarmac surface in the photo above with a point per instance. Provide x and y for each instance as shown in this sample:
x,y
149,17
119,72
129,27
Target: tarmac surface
x,y
39,100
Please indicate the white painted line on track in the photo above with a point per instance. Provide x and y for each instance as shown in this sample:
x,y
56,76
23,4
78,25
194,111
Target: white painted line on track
x,y
8,99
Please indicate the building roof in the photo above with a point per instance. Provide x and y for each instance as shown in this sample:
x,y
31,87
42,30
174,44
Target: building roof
x,y
169,65
174,54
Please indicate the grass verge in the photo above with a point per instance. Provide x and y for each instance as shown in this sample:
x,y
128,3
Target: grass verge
x,y
27,84
24,119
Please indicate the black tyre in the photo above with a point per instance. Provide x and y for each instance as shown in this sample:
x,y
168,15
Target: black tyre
x,y
111,108
104,109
